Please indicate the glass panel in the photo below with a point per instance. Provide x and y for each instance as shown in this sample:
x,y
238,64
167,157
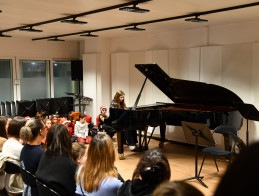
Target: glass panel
x,y
34,79
6,87
62,79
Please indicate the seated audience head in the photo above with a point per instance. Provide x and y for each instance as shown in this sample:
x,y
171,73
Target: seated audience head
x,y
82,118
153,168
3,127
54,119
33,129
58,140
15,125
79,153
64,121
47,123
177,188
103,110
99,163
241,178
102,117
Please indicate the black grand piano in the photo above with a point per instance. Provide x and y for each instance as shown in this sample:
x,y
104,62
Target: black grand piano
x,y
193,102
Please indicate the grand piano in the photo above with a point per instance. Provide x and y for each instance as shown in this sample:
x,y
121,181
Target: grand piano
x,y
193,102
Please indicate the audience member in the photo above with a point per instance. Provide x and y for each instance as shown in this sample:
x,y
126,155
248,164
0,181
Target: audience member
x,y
98,176
104,128
32,133
54,119
241,178
3,134
103,110
152,170
81,129
79,153
47,123
56,167
177,188
12,146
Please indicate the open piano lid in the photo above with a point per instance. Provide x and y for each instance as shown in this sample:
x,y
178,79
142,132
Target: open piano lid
x,y
188,92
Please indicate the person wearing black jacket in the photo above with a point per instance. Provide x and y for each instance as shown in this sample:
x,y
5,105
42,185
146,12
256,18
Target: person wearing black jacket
x,y
56,167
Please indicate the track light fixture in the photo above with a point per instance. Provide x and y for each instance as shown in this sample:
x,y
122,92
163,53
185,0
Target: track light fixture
x,y
2,35
73,21
30,29
135,28
196,19
134,9
55,39
89,35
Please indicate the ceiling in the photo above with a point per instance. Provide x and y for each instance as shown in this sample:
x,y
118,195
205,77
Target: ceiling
x,y
23,12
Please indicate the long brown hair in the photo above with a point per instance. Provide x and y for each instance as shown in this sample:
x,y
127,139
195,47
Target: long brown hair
x,y
3,122
116,99
99,163
58,140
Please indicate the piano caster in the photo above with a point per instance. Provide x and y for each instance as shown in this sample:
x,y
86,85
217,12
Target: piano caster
x,y
161,145
121,156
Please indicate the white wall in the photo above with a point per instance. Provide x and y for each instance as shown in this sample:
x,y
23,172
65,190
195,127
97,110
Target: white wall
x,y
225,55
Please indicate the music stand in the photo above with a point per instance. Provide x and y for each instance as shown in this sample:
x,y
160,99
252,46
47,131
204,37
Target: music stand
x,y
249,112
43,105
62,105
197,133
26,108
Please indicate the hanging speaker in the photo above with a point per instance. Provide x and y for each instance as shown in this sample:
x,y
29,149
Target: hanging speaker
x,y
77,70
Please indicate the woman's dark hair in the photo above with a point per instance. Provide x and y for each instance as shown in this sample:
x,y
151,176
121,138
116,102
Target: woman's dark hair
x,y
58,140
3,122
82,116
31,129
15,125
153,168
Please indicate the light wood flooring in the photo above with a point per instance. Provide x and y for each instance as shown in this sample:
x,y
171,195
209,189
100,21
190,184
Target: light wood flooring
x,y
182,162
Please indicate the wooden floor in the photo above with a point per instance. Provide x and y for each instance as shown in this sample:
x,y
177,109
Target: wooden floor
x,y
182,162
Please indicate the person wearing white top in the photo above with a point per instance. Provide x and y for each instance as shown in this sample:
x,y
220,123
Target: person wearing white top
x,y
12,146
81,128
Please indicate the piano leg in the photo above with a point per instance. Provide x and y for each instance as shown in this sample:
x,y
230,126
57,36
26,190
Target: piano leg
x,y
120,142
162,135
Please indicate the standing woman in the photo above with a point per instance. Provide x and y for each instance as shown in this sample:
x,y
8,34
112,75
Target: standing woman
x,y
98,176
131,136
3,135
56,167
32,133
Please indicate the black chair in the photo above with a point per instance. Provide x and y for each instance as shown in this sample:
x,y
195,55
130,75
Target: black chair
x,y
13,109
3,109
11,168
226,131
44,189
28,177
8,110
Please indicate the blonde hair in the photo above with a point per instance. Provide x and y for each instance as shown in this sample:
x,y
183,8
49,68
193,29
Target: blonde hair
x,y
31,130
78,150
99,163
116,99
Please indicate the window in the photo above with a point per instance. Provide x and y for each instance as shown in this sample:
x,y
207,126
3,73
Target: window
x,y
6,87
63,83
34,79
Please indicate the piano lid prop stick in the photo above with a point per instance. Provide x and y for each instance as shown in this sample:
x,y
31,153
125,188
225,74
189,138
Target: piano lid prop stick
x,y
139,95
